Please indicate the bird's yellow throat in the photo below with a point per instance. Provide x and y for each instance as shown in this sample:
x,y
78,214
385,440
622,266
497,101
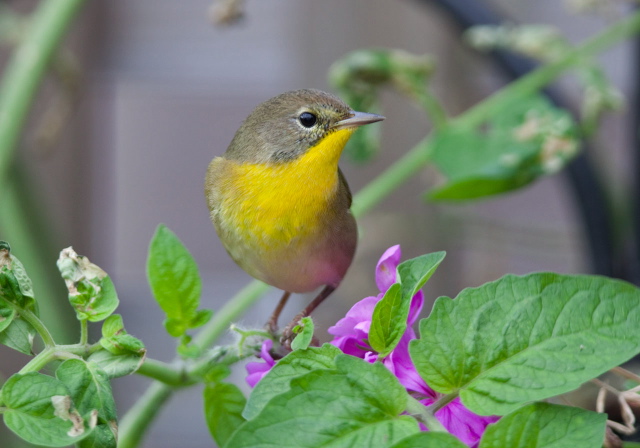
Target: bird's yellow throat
x,y
278,202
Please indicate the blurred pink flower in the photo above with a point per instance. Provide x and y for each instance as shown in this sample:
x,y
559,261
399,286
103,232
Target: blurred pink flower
x,y
256,370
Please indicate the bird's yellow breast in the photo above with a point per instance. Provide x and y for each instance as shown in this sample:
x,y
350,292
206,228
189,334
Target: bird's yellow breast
x,y
269,205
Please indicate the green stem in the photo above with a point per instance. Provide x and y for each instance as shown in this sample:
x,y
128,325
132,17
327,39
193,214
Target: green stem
x,y
84,332
433,108
442,402
233,309
45,357
37,324
542,76
137,420
394,176
24,72
173,376
134,424
424,415
163,372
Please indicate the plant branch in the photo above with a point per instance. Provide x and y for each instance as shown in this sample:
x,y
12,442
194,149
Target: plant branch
x,y
233,309
45,357
135,422
84,332
443,401
412,162
37,324
164,373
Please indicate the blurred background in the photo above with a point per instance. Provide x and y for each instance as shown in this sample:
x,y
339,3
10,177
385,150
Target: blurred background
x,y
154,91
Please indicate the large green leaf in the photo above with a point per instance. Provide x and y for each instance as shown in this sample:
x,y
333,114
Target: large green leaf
x,y
91,392
295,364
520,339
430,440
543,425
40,410
359,404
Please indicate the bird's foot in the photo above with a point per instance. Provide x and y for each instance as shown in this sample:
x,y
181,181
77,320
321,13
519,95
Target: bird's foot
x,y
288,335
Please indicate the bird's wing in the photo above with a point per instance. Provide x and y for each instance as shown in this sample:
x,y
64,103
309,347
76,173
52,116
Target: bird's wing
x,y
343,181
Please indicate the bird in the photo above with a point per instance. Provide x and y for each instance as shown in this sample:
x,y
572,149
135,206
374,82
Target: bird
x,y
279,201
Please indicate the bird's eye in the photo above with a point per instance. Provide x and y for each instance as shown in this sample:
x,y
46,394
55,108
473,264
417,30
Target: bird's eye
x,y
307,119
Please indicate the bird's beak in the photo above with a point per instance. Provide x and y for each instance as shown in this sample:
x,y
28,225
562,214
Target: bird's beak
x,y
357,119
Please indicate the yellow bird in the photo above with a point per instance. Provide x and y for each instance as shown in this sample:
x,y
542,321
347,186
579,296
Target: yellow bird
x,y
279,202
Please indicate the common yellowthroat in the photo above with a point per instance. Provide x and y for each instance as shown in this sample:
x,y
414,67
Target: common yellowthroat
x,y
278,200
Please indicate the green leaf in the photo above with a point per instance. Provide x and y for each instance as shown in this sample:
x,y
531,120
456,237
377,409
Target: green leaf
x,y
390,315
305,334
217,373
112,326
543,425
40,410
116,366
223,405
520,339
295,364
19,336
389,321
175,282
359,404
201,317
91,392
527,140
7,314
414,273
116,340
430,440
91,291
15,284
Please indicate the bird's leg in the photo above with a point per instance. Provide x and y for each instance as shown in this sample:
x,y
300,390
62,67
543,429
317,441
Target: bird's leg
x,y
272,323
287,334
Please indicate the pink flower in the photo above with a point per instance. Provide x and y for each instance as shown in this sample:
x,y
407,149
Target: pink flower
x,y
256,370
352,331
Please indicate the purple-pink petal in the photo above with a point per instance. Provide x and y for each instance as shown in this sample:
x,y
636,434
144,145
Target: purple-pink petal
x,y
464,424
386,268
258,369
416,306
